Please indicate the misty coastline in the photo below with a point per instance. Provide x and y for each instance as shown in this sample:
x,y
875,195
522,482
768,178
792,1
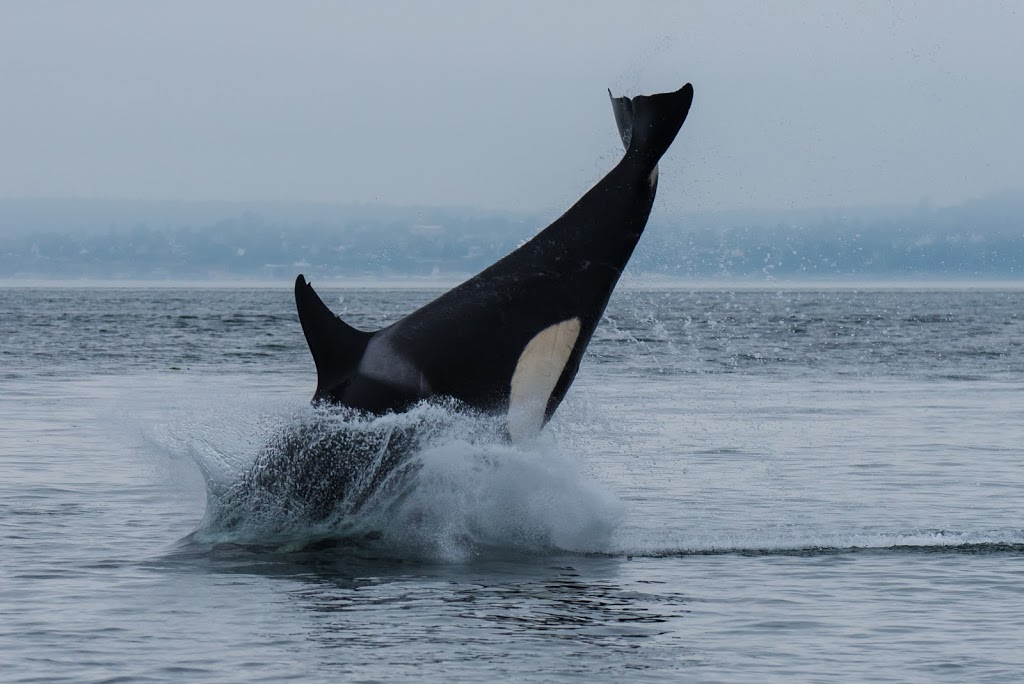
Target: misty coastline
x,y
150,242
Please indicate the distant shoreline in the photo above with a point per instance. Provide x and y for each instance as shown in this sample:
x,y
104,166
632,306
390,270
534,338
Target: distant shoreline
x,y
445,283
123,244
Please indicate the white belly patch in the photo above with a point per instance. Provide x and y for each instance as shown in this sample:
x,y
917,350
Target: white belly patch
x,y
537,372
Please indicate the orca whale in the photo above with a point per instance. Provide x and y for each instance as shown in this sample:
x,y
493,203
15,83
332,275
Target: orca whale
x,y
509,340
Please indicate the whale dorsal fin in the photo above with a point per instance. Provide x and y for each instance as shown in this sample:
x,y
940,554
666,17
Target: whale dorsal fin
x,y
336,346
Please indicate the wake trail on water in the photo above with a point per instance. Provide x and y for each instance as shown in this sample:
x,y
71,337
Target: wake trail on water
x,y
798,542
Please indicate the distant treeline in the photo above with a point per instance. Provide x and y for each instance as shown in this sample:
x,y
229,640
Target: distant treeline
x,y
981,239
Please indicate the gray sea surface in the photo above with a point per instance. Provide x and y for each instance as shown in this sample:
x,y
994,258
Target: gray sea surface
x,y
779,484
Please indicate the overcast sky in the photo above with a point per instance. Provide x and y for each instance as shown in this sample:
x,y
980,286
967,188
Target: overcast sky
x,y
796,104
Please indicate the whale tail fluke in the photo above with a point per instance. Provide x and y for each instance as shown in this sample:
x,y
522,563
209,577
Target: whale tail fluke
x,y
336,346
649,123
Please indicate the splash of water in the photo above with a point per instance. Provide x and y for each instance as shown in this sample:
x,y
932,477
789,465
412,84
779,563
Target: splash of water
x,y
436,482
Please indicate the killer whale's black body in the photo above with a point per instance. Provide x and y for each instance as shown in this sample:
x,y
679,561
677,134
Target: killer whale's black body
x,y
482,343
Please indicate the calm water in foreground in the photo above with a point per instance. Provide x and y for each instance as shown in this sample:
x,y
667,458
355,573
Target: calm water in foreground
x,y
776,485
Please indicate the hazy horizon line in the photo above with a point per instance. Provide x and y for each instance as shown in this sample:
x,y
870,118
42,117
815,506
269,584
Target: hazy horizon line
x,y
1006,193
628,282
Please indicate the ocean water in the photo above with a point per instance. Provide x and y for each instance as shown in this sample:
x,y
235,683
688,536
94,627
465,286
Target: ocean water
x,y
780,484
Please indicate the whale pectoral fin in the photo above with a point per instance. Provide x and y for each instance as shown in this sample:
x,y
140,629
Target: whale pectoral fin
x,y
336,346
537,372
